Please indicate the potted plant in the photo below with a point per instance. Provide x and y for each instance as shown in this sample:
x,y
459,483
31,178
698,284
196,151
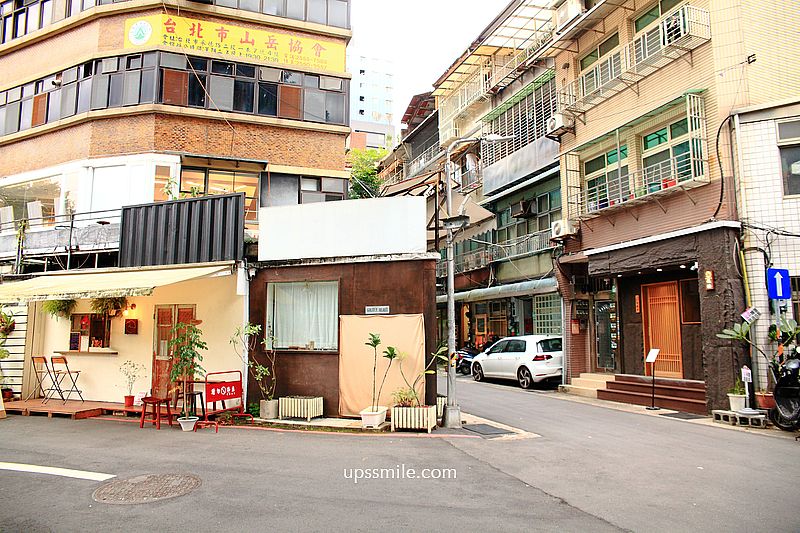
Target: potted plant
x,y
764,399
244,342
737,396
7,323
110,307
132,372
409,412
59,308
375,415
789,330
186,345
7,392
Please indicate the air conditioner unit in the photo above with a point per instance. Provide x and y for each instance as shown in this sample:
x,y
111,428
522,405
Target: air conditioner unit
x,y
566,12
523,209
558,125
562,228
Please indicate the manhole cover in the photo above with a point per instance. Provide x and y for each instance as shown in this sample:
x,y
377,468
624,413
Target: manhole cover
x,y
486,429
146,489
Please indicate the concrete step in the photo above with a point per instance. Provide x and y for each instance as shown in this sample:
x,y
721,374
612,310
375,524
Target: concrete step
x,y
597,376
586,392
685,405
683,383
661,389
589,383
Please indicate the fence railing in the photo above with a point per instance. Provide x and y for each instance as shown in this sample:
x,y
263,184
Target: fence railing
x,y
476,259
606,192
678,32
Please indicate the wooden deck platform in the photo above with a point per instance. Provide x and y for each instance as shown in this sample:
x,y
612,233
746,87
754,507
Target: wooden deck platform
x,y
74,409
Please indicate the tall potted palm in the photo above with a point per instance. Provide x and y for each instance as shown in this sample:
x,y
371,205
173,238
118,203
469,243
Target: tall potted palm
x,y
186,344
375,415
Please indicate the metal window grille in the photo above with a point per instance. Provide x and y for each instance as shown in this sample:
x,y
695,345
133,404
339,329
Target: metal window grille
x,y
547,314
526,121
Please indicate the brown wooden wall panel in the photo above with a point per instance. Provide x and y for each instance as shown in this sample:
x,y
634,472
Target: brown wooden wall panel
x,y
175,88
290,103
407,287
39,110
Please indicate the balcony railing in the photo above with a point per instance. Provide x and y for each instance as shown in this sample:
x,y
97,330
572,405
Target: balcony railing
x,y
423,160
520,247
680,172
503,74
471,180
676,33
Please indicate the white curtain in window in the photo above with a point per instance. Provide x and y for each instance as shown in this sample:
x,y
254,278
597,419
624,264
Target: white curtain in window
x,y
304,314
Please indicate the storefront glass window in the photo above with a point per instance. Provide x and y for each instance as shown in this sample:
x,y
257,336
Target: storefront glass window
x,y
303,315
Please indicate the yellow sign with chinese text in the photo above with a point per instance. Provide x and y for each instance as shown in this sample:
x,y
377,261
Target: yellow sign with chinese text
x,y
241,44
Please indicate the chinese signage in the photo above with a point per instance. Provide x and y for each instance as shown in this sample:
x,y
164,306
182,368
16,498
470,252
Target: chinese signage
x,y
228,390
265,46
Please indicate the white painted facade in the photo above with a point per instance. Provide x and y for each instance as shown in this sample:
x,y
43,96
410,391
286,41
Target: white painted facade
x,y
765,205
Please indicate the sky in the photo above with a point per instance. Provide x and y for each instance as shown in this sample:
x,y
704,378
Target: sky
x,y
421,37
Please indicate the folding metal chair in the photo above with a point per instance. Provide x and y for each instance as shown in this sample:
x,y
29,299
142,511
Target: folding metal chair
x,y
42,371
60,375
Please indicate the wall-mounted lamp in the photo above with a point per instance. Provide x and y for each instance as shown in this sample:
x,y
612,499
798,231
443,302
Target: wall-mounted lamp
x,y
128,310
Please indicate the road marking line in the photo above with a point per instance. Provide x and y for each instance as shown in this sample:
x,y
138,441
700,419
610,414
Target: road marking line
x,y
54,471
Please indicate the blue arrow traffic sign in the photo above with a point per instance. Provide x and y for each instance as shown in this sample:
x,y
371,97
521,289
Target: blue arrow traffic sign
x,y
778,284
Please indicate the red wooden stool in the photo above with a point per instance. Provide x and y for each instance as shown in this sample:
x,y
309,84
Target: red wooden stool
x,y
156,415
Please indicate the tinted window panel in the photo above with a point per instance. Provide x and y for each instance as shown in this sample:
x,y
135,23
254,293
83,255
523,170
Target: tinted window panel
x,y
317,11
243,96
314,106
267,99
221,91
197,93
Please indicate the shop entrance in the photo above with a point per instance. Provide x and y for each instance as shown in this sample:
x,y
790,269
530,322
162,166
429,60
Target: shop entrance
x,y
166,316
605,316
662,328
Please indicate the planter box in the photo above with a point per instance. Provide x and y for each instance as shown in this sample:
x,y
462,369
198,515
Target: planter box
x,y
737,401
307,407
441,401
414,417
765,400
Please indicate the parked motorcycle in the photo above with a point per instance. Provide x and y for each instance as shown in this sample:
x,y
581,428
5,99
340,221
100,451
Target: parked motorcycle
x,y
464,357
786,413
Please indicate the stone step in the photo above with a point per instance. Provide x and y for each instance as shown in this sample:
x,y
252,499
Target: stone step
x,y
586,392
684,383
589,383
661,389
686,405
597,376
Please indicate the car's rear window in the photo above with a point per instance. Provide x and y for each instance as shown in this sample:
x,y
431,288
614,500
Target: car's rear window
x,y
550,345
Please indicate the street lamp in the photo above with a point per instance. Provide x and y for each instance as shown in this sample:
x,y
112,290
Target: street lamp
x,y
452,411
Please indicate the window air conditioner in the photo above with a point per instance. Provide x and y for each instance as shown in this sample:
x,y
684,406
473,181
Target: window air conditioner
x,y
566,12
558,125
562,228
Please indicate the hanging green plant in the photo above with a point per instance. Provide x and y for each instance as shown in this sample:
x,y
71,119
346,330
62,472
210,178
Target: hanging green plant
x,y
109,306
7,322
59,308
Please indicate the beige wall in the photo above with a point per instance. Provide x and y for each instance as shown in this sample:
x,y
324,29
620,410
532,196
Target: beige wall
x,y
717,66
220,310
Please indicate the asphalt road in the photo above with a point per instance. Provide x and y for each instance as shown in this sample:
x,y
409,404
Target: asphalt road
x,y
263,481
637,471
591,469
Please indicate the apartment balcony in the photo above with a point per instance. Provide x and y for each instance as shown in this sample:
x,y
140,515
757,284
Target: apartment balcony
x,y
533,243
424,160
471,180
677,33
678,173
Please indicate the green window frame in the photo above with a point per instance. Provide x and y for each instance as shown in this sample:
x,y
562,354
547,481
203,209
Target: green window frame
x,y
654,13
602,49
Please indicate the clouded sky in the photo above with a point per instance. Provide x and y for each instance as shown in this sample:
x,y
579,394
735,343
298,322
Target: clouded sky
x,y
421,37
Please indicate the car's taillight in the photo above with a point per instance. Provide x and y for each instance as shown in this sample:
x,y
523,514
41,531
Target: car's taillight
x,y
542,357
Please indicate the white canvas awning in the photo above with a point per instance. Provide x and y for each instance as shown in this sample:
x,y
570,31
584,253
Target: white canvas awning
x,y
105,283
523,288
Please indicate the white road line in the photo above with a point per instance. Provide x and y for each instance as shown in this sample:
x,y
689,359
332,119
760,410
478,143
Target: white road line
x,y
54,471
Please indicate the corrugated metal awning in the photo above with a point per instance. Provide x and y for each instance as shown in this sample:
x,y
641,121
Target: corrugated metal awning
x,y
105,283
523,288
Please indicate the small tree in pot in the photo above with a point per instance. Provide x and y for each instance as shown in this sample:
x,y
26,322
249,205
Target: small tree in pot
x,y
244,342
409,411
132,372
186,345
375,415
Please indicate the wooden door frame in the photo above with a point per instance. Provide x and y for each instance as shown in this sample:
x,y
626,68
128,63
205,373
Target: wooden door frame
x,y
646,321
175,309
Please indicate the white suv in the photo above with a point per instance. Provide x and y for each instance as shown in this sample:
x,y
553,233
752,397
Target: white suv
x,y
528,359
